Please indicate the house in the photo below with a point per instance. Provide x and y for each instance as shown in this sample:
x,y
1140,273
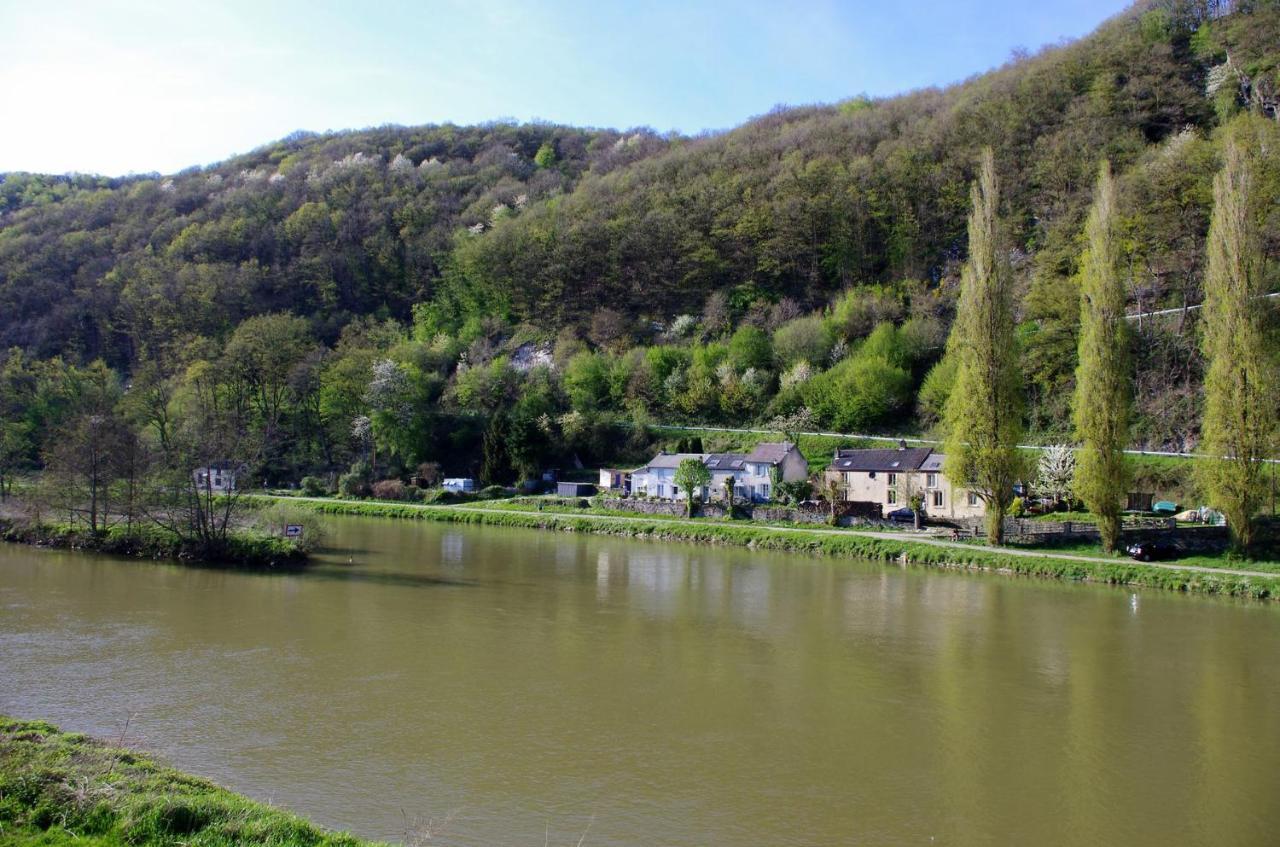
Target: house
x,y
615,479
657,479
889,476
218,476
459,485
751,475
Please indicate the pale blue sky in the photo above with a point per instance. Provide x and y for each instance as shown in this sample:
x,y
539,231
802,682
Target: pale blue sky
x,y
120,86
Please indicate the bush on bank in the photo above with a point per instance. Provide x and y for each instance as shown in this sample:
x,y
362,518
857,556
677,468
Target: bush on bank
x,y
246,549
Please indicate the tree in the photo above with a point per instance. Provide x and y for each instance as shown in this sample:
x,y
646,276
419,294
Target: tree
x,y
794,424
1240,390
1056,471
911,492
984,410
83,464
692,476
1104,387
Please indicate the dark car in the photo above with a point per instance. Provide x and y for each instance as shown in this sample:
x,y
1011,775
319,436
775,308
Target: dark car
x,y
1153,551
903,515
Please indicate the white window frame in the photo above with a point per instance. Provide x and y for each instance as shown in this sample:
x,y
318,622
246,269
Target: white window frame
x,y
937,498
931,480
973,498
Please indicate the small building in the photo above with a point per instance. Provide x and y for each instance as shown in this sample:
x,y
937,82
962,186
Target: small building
x,y
575,489
615,479
459,485
219,477
889,476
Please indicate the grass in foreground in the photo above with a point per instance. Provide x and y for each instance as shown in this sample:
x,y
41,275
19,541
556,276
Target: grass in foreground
x,y
60,788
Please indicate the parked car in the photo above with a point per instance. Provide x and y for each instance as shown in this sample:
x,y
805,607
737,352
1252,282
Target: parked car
x,y
1153,551
903,515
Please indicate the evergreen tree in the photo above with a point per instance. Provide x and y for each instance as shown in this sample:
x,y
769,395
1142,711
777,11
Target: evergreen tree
x,y
984,411
1103,383
1239,425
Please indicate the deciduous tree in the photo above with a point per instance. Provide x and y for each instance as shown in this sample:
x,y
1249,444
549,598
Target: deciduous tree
x,y
984,410
1104,385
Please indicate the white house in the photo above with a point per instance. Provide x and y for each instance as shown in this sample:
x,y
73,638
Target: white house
x,y
657,479
752,475
219,477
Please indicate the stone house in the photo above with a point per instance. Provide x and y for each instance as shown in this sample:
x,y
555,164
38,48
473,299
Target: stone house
x,y
888,476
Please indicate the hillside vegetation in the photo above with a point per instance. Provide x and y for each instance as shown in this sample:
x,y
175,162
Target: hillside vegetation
x,y
492,297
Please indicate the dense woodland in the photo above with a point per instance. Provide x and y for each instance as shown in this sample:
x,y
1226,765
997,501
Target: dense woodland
x,y
499,298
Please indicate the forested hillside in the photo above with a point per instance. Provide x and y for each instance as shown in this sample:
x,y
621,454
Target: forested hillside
x,y
549,278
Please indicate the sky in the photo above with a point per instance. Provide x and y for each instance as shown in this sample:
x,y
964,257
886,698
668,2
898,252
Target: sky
x,y
138,86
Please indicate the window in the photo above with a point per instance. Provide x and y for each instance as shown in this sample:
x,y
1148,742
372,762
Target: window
x,y
893,480
931,481
764,491
973,498
893,496
937,499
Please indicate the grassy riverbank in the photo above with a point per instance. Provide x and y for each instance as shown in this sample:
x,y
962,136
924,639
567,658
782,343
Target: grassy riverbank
x,y
838,543
59,788
242,549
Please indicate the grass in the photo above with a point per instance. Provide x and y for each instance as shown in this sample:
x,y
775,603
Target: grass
x,y
904,551
59,788
1201,560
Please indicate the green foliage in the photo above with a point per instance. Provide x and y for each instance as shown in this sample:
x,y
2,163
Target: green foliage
x,y
804,339
1103,383
314,486
1241,390
984,409
749,347
691,476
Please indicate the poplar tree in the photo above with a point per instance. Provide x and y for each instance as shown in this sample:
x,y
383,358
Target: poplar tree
x,y
984,411
1239,426
1104,391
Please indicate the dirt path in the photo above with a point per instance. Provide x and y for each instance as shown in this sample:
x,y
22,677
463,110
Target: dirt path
x,y
883,536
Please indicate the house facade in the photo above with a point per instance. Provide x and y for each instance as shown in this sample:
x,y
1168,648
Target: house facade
x,y
218,477
889,476
751,476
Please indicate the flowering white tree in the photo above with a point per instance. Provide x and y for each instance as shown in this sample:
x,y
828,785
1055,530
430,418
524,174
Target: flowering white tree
x,y
1056,471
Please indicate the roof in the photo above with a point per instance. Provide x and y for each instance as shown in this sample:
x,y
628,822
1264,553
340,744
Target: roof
x,y
221,465
726,461
770,452
885,459
671,460
933,464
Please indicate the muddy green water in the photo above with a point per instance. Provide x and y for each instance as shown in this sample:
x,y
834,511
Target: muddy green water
x,y
533,686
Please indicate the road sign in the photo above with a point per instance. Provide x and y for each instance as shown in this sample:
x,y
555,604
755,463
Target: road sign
x,y
293,530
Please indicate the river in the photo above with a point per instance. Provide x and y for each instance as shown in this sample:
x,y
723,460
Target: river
x,y
519,687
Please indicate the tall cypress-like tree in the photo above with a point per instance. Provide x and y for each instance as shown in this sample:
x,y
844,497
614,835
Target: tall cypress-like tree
x,y
1104,387
984,411
1240,387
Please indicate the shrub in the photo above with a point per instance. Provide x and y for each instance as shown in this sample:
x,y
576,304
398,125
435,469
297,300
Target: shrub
x,y
314,486
353,485
493,492
388,489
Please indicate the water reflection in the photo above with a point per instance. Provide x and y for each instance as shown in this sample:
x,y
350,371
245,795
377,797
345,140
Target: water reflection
x,y
682,695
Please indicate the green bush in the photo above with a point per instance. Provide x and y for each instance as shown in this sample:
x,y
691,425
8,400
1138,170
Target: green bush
x,y
314,486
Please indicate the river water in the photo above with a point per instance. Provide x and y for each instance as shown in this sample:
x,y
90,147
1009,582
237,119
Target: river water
x,y
518,687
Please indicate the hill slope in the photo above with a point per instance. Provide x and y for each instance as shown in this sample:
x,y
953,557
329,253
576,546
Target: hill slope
x,y
554,226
